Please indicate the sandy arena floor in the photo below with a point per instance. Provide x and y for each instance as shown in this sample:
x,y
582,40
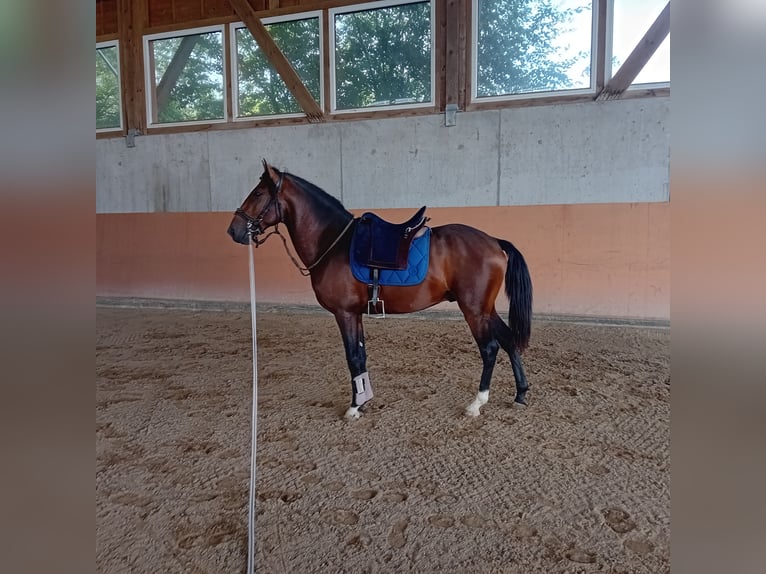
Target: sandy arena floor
x,y
576,482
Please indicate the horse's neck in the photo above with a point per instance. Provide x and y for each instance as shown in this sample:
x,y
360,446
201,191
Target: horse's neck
x,y
313,232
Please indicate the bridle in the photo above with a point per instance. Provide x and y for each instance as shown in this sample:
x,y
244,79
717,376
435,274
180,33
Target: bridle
x,y
254,223
255,230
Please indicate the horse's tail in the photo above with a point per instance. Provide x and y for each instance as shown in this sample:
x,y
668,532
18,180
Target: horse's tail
x,y
518,288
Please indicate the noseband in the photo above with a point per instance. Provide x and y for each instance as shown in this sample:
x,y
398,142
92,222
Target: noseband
x,y
254,223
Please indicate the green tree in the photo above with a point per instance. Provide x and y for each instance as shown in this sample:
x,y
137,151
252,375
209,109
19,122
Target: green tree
x,y
107,88
383,55
197,90
517,46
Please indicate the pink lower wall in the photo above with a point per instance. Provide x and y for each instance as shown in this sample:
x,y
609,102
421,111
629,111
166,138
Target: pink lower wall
x,y
604,260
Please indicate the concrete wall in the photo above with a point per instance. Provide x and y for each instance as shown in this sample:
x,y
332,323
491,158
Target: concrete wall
x,y
581,189
600,152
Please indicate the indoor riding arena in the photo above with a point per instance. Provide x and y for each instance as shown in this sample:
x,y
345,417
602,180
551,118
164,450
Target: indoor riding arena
x,y
533,439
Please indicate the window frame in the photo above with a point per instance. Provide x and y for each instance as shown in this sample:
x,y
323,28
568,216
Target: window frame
x,y
332,12
114,44
148,71
234,62
589,91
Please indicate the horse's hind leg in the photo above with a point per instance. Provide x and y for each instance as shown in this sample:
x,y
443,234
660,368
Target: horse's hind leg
x,y
503,334
521,379
352,331
488,347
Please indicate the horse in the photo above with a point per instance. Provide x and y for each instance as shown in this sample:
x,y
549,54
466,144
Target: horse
x,y
465,265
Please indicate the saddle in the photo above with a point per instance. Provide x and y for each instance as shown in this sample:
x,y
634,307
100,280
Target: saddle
x,y
383,245
380,245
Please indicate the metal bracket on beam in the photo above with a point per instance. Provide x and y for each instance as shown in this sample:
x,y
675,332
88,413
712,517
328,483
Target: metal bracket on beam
x,y
130,139
450,115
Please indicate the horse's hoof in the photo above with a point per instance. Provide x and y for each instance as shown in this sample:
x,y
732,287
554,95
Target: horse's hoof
x,y
353,413
522,404
481,399
472,411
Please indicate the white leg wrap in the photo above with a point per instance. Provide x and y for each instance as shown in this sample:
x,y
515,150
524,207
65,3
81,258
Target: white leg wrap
x,y
481,399
362,389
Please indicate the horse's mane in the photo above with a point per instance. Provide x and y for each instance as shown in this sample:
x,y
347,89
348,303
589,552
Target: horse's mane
x,y
320,196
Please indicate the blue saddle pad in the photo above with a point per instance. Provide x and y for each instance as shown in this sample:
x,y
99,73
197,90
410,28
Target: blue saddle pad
x,y
417,265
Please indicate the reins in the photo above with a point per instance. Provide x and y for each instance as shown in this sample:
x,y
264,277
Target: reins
x,y
306,271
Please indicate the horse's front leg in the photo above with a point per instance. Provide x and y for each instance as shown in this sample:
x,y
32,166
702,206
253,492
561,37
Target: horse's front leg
x,y
352,331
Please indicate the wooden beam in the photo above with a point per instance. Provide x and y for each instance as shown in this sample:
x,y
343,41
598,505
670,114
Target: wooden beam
x,y
291,79
131,21
464,53
440,70
452,63
638,58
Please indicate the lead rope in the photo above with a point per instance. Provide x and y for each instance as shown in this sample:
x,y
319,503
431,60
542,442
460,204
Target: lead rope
x,y
254,424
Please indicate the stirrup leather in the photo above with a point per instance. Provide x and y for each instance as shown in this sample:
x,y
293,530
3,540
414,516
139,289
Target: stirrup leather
x,y
374,289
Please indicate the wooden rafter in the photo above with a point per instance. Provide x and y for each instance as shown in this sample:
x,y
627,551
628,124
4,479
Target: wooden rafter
x,y
452,52
638,58
131,20
464,52
277,59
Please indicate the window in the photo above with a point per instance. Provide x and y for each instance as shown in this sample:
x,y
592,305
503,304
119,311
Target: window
x,y
259,90
108,97
185,76
632,18
382,55
522,47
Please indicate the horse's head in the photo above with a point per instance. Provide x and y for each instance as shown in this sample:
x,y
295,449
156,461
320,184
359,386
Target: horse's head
x,y
260,210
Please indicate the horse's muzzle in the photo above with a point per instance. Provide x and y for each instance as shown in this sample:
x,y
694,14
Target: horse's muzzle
x,y
239,231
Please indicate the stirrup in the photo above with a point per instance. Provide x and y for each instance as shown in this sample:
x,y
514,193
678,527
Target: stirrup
x,y
374,289
373,305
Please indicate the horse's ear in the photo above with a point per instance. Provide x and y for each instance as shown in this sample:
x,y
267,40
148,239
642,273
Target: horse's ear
x,y
270,170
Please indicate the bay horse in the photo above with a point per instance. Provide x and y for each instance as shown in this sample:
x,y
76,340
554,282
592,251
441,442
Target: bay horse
x,y
466,265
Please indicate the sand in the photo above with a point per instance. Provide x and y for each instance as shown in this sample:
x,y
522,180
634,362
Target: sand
x,y
578,481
